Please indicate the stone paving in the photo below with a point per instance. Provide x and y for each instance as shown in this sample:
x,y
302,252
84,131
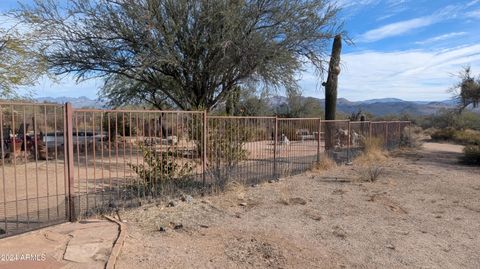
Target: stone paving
x,y
84,244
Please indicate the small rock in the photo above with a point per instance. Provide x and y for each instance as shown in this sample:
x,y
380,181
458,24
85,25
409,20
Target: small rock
x,y
2,231
171,204
178,226
242,204
298,201
390,246
204,226
162,229
270,181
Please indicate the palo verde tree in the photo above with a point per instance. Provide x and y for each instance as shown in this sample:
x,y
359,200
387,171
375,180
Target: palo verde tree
x,y
190,53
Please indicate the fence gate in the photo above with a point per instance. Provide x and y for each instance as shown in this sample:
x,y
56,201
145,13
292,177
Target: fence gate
x,y
33,189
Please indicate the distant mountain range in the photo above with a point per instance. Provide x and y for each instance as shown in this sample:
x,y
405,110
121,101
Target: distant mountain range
x,y
378,107
77,102
381,107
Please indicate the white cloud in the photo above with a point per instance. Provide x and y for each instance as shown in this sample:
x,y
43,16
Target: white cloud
x,y
395,29
473,2
475,14
441,38
410,75
406,26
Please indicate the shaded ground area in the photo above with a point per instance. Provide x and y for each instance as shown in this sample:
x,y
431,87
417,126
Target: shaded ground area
x,y
424,212
85,244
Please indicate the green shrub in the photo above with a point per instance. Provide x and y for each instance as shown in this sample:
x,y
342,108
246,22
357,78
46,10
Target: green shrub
x,y
471,154
225,150
159,169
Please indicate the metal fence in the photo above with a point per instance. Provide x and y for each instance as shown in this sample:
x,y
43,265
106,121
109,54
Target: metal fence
x,y
60,163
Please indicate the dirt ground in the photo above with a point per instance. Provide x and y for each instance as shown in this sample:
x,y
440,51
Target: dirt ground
x,y
424,212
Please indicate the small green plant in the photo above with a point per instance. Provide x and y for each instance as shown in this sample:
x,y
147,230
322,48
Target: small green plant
x,y
471,154
226,150
160,168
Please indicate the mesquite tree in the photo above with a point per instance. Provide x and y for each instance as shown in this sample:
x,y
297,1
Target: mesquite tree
x,y
186,53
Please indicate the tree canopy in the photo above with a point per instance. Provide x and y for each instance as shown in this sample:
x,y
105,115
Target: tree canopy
x,y
20,63
467,91
187,53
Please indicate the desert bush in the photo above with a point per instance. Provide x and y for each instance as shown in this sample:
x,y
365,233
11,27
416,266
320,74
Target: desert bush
x,y
325,163
443,134
371,162
411,137
467,137
373,145
464,137
160,169
471,154
371,172
225,150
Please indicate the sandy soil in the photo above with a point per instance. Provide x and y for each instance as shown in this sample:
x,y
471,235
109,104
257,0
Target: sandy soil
x,y
424,212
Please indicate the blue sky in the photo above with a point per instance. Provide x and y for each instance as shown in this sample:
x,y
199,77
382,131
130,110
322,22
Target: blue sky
x,y
408,49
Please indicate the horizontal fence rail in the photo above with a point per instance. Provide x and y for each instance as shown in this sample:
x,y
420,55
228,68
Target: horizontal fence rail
x,y
60,163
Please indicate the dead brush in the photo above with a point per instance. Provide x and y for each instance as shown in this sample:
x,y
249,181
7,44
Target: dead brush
x,y
235,191
284,196
371,163
325,163
371,173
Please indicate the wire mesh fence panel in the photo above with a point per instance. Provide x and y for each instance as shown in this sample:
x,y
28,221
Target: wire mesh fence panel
x,y
32,163
240,149
359,133
379,131
298,145
59,163
122,157
336,140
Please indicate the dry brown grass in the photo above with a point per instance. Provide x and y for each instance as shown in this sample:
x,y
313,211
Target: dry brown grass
x,y
371,163
235,190
325,163
284,195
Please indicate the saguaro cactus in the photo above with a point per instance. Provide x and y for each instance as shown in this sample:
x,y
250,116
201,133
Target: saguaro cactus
x,y
331,90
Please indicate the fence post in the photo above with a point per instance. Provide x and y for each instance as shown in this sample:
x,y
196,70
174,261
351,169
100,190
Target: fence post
x,y
68,140
386,134
319,130
348,142
275,149
204,146
370,130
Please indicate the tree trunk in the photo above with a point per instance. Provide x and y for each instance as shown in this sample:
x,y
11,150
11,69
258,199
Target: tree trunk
x,y
331,91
